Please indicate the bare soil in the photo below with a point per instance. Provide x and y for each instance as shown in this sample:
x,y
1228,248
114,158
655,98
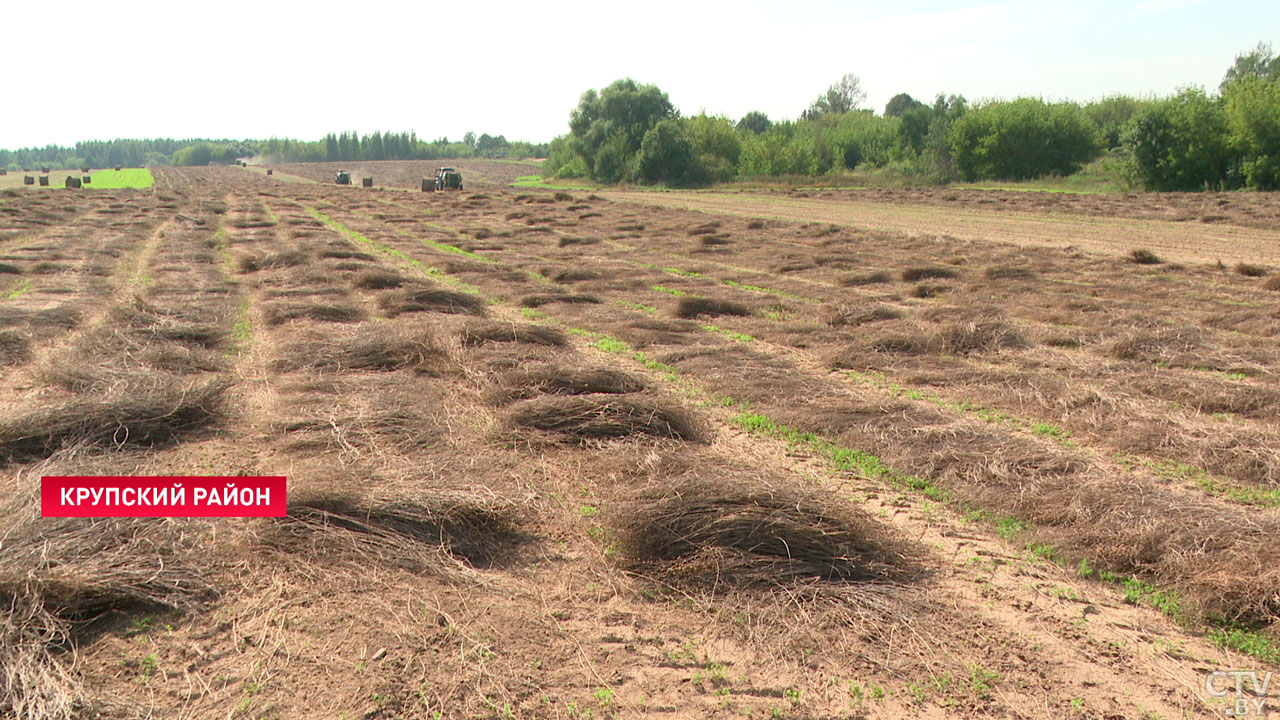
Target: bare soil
x,y
638,454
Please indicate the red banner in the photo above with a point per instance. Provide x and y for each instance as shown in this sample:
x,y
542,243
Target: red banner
x,y
162,496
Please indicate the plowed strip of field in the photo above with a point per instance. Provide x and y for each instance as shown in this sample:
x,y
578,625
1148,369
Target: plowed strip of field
x,y
1181,241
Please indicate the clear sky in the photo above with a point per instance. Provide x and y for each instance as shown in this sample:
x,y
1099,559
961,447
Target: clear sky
x,y
103,69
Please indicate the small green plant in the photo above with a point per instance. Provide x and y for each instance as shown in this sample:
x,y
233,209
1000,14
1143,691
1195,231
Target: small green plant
x,y
981,680
1009,528
612,345
1050,430
1064,592
18,290
604,696
638,306
1253,643
149,665
1042,551
792,695
918,693
140,626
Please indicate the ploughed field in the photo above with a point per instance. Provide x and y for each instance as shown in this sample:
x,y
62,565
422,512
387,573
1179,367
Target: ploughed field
x,y
569,454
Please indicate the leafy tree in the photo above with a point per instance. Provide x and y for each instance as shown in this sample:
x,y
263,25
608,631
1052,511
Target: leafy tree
x,y
716,146
562,161
1260,62
845,95
607,127
780,151
901,104
1180,143
1252,108
1023,138
912,131
862,137
667,155
1111,115
755,122
469,138
491,147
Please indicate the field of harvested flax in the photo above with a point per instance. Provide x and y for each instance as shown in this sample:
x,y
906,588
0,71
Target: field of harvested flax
x,y
571,454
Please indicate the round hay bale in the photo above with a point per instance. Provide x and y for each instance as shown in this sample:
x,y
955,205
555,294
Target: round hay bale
x,y
73,182
428,185
85,169
367,182
28,180
44,181
117,168
269,171
86,179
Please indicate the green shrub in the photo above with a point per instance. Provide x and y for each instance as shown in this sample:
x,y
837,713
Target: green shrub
x,y
1022,139
777,152
667,155
1253,120
1180,143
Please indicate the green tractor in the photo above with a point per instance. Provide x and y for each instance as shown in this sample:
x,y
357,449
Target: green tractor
x,y
448,179
344,178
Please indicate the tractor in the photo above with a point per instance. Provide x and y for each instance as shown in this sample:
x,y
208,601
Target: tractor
x,y
343,178
448,179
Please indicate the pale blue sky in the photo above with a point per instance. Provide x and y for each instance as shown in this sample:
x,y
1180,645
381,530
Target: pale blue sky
x,y
98,70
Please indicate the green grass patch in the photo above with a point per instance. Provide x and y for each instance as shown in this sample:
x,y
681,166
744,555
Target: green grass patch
x,y
536,181
733,284
360,238
18,290
1255,496
434,244
135,178
638,306
877,379
1009,528
842,458
241,331
1050,430
669,291
736,336
613,345
678,271
770,291
1254,643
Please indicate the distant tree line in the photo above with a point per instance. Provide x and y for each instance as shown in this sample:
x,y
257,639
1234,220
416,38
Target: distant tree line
x,y
349,146
130,153
629,132
346,146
